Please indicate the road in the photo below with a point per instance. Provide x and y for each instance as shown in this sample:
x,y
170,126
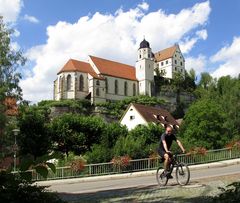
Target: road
x,y
133,182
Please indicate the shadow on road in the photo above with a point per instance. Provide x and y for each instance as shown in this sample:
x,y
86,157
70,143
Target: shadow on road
x,y
171,193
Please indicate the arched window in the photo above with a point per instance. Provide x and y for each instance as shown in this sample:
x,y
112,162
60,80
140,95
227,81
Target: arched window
x,y
134,89
59,84
69,82
97,92
81,83
125,88
106,82
116,87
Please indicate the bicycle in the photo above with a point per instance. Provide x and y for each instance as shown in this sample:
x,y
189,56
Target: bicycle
x,y
182,172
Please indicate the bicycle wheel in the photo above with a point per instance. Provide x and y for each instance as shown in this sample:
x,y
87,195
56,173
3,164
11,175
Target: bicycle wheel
x,y
182,174
161,177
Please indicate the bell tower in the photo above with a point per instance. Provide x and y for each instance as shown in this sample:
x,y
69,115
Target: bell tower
x,y
145,68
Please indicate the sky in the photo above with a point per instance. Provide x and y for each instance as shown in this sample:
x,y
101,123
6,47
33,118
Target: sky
x,y
50,32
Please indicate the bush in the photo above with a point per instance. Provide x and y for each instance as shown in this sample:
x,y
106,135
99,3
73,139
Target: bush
x,y
230,194
13,189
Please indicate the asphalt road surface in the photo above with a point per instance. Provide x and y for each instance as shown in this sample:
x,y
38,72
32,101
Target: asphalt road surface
x,y
130,182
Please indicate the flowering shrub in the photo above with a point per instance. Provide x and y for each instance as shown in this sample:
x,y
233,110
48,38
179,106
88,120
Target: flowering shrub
x,y
198,150
233,144
121,161
154,155
78,165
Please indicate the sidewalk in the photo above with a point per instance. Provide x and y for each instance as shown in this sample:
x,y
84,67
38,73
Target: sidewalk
x,y
136,174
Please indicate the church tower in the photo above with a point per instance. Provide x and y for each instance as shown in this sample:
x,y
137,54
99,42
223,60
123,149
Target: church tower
x,y
145,68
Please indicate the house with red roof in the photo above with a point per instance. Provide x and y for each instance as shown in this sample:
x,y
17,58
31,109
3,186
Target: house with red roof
x,y
101,80
138,114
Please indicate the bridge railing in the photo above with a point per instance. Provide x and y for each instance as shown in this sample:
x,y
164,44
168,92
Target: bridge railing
x,y
138,165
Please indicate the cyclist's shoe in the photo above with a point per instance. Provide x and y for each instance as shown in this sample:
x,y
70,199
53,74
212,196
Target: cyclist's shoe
x,y
169,176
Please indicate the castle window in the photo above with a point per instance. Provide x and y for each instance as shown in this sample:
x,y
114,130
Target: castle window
x,y
134,89
125,88
97,82
116,87
81,83
106,82
97,92
69,82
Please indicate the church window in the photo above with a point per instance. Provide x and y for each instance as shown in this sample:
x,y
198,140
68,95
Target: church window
x,y
97,92
116,87
69,82
59,82
81,82
97,82
106,82
125,88
134,89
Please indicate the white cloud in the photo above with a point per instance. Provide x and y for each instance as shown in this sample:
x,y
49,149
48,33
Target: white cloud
x,y
10,9
202,34
144,6
229,60
112,36
196,63
188,43
31,19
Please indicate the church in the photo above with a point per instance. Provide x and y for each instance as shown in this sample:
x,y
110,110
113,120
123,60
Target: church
x,y
101,80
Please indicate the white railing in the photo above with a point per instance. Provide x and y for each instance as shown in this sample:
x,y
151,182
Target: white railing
x,y
138,165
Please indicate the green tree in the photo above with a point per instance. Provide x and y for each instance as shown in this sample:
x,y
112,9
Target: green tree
x,y
73,132
140,142
204,125
10,60
34,137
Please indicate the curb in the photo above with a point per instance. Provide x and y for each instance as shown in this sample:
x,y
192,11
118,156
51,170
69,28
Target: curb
x,y
135,174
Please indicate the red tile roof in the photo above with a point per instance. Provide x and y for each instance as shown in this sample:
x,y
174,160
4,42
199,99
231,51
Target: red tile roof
x,y
156,115
115,69
78,66
165,53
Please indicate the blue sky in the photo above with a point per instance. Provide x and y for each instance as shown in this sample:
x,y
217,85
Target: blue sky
x,y
51,32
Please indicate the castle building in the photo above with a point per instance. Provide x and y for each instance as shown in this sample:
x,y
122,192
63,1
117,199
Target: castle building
x,y
101,80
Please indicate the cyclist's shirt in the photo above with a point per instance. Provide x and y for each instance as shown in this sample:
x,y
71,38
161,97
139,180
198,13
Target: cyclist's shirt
x,y
169,139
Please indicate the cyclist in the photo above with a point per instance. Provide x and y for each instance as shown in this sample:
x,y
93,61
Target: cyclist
x,y
164,148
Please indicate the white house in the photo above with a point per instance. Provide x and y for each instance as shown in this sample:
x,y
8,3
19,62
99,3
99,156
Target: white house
x,y
101,80
138,114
